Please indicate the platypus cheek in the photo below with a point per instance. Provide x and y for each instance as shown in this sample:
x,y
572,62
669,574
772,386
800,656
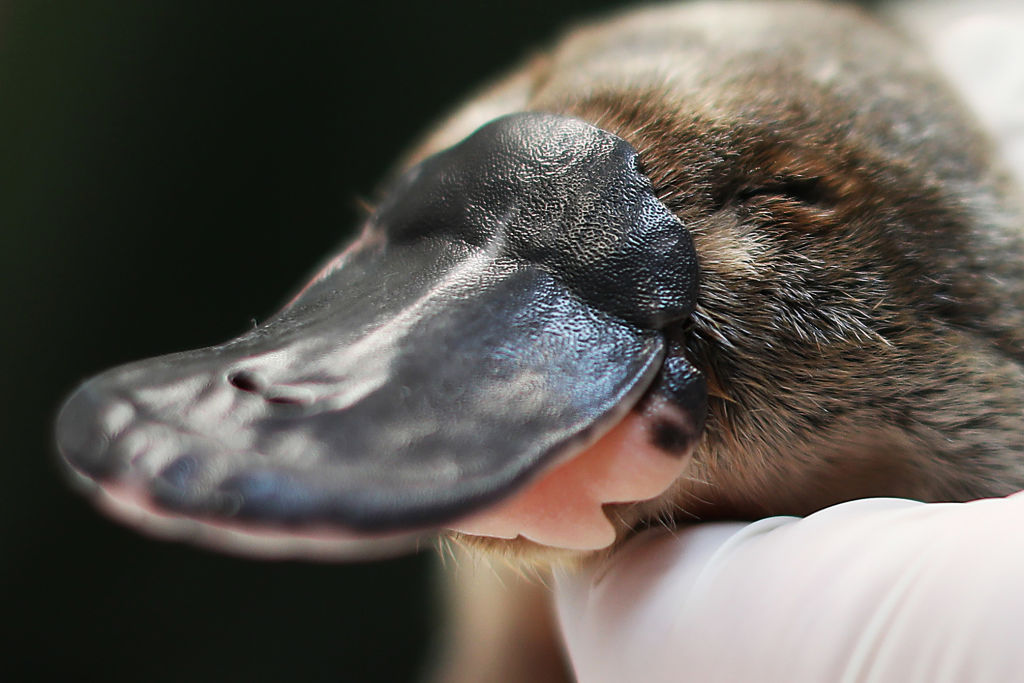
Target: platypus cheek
x,y
504,308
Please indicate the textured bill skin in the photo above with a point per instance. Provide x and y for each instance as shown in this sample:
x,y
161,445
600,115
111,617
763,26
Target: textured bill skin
x,y
502,309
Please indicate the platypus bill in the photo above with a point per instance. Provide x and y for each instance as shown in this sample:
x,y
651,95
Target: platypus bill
x,y
707,261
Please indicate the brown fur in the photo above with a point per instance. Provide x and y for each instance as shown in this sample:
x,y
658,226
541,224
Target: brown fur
x,y
861,312
861,316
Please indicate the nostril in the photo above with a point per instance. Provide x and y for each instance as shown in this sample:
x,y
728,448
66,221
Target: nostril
x,y
246,380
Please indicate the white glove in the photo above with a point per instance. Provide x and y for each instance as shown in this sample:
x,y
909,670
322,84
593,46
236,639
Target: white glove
x,y
872,590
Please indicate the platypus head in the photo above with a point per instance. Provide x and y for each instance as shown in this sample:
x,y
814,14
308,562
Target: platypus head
x,y
724,261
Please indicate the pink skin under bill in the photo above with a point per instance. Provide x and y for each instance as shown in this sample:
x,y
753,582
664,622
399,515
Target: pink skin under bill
x,y
563,508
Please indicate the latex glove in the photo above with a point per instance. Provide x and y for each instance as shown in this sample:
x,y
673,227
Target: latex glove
x,y
872,590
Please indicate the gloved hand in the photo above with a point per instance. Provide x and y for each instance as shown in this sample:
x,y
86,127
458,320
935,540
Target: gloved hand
x,y
872,590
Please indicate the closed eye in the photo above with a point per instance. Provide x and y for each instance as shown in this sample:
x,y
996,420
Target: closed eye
x,y
809,191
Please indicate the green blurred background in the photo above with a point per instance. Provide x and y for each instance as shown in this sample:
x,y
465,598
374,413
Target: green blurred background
x,y
170,171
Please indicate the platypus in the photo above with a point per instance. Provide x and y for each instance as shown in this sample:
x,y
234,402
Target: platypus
x,y
715,260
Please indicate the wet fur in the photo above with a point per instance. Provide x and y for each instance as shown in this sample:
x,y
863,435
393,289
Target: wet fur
x,y
860,319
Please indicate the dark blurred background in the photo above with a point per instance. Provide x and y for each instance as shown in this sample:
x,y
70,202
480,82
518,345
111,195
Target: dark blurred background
x,y
170,171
